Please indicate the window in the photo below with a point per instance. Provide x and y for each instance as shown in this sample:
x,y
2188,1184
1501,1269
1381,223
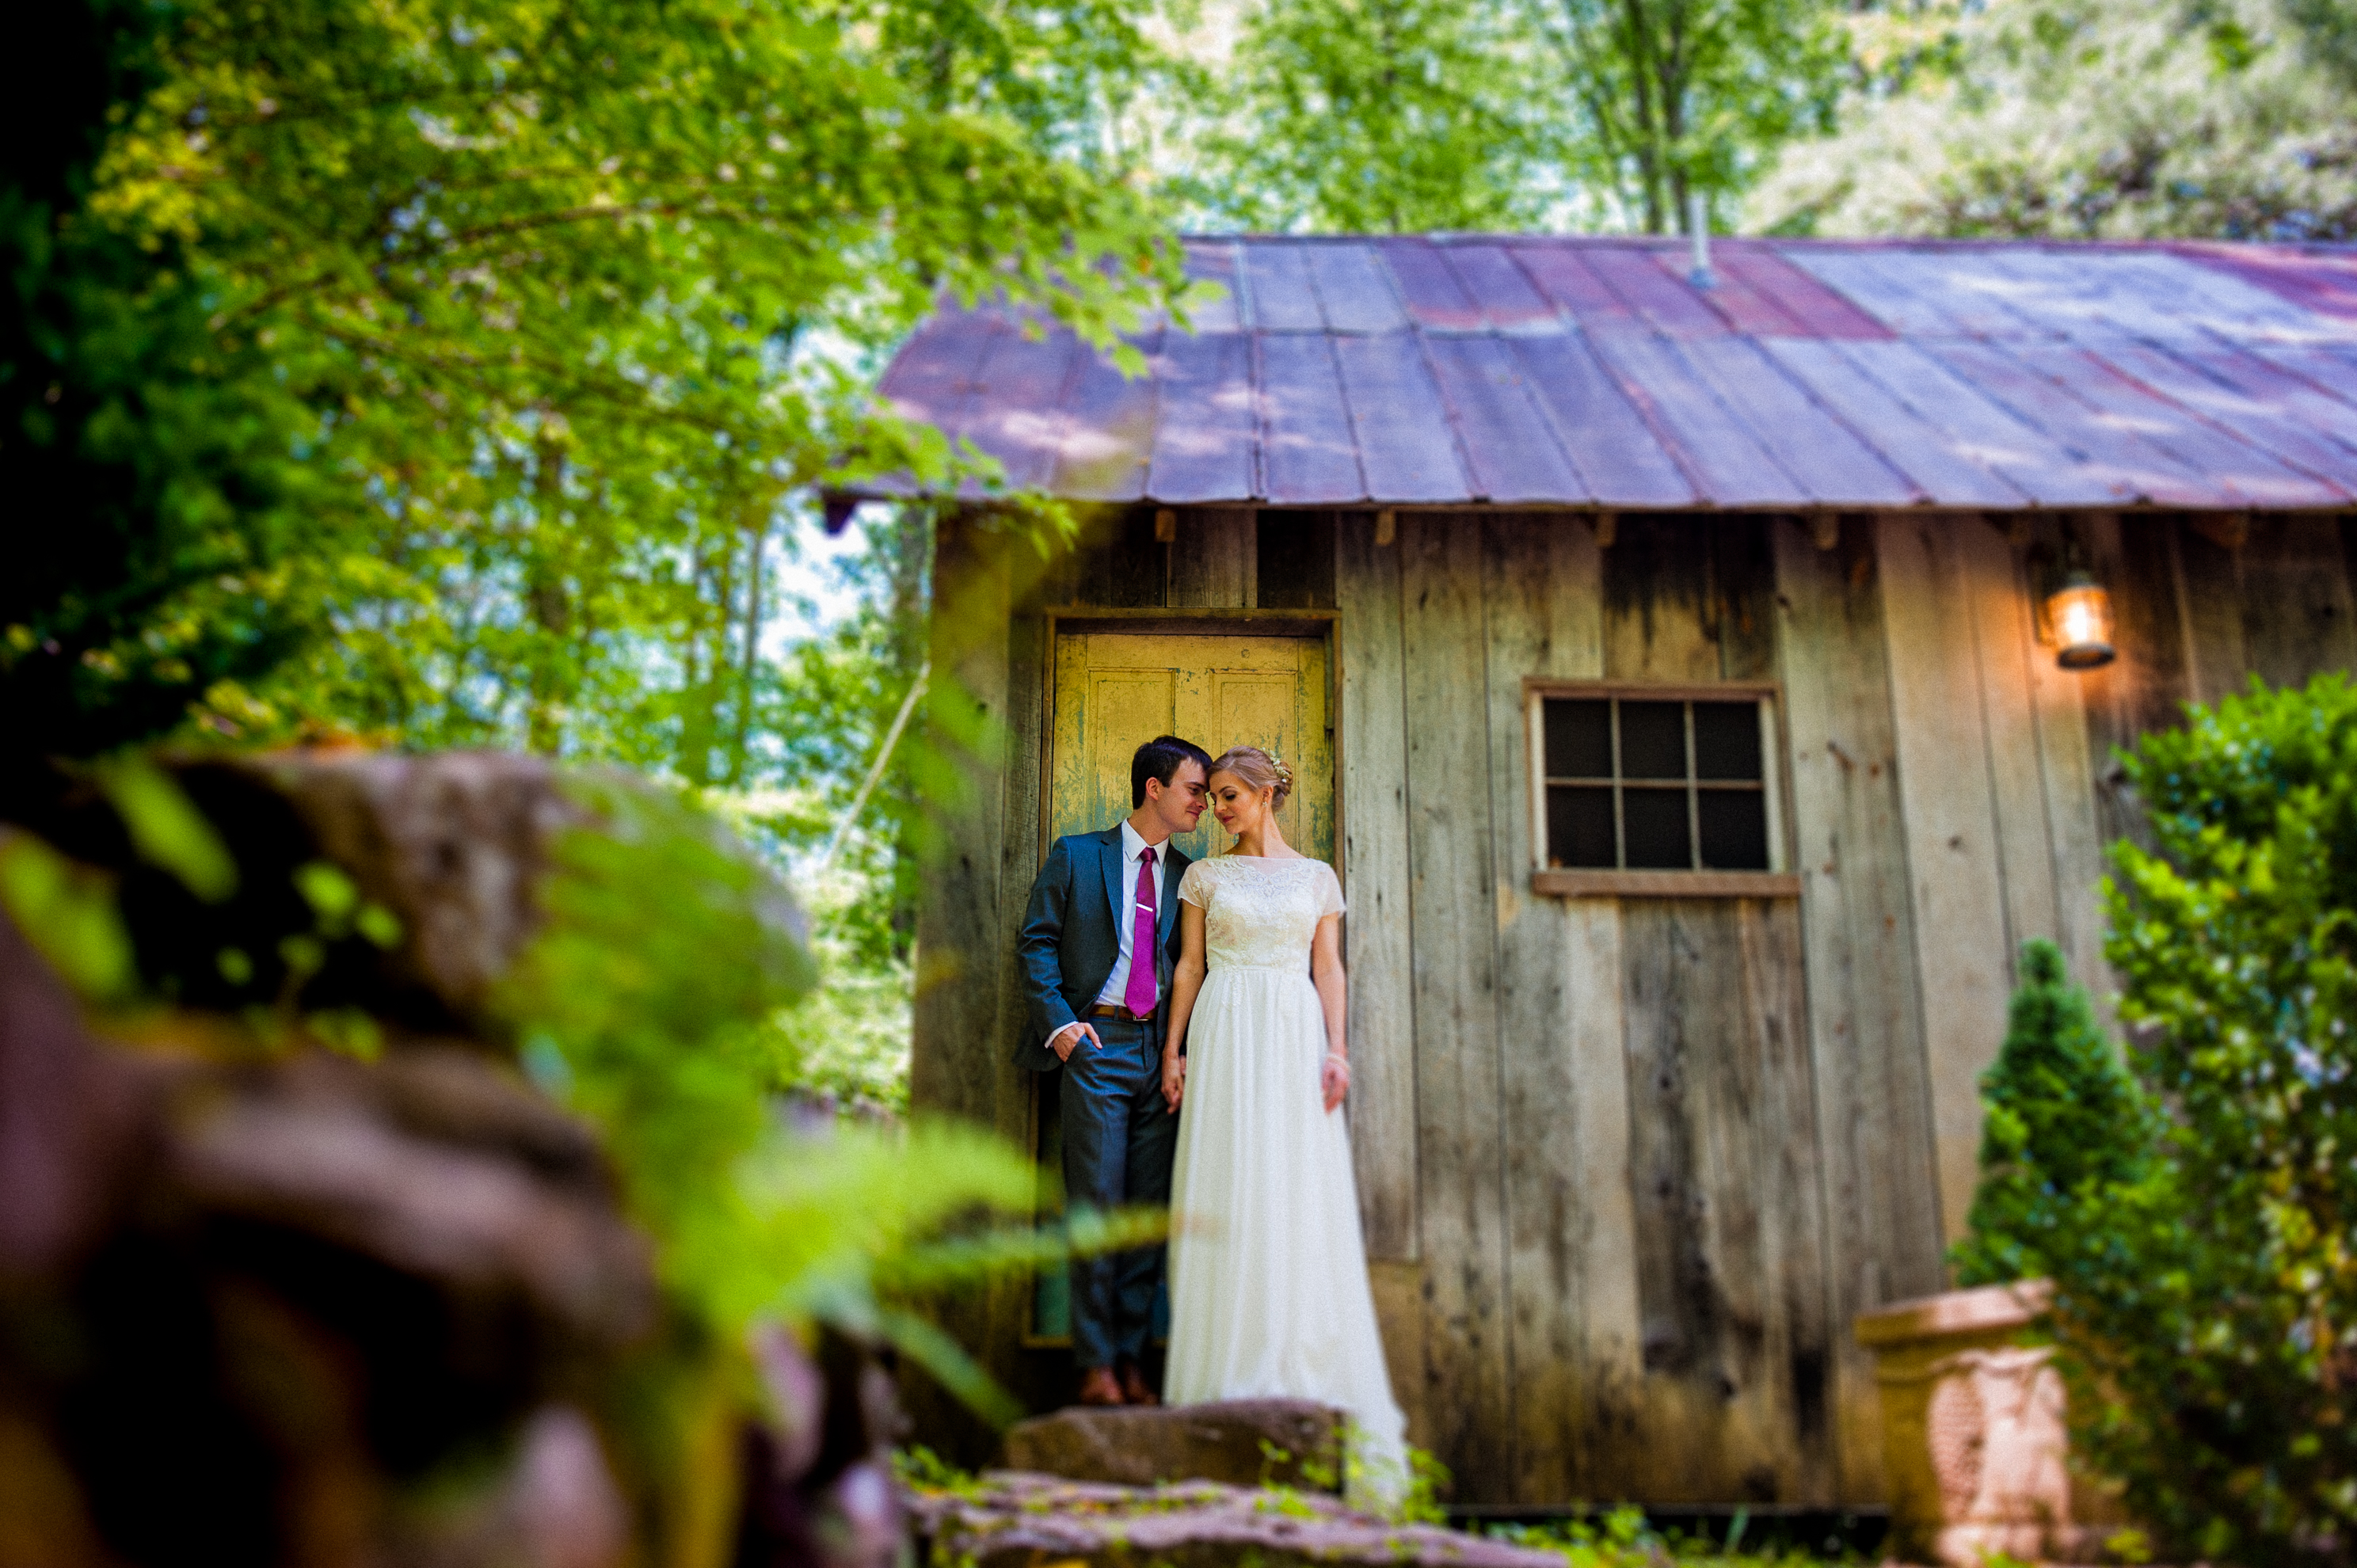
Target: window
x,y
1655,791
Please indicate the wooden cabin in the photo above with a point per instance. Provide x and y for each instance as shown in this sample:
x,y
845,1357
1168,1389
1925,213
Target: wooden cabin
x,y
1667,666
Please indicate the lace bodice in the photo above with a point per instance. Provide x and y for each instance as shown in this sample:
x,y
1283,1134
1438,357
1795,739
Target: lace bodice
x,y
1258,913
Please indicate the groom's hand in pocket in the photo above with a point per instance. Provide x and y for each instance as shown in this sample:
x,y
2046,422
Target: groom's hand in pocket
x,y
1068,1040
1174,1079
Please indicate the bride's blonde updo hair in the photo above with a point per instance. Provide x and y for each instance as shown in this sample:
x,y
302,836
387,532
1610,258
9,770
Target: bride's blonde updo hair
x,y
1258,769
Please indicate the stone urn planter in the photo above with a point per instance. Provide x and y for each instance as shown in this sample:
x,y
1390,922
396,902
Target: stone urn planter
x,y
1975,1450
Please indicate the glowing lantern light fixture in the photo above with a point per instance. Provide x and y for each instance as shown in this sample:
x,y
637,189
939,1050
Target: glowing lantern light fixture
x,y
2080,612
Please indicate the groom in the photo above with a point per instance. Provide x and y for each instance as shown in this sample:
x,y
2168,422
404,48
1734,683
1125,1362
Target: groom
x,y
1099,940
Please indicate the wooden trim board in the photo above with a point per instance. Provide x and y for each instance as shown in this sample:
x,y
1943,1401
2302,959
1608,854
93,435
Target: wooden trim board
x,y
1560,883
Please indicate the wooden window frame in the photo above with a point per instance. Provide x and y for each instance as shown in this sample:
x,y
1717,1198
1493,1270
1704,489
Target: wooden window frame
x,y
1779,881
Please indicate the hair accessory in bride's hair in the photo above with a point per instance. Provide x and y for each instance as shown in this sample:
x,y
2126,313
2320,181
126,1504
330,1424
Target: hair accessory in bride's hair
x,y
1284,769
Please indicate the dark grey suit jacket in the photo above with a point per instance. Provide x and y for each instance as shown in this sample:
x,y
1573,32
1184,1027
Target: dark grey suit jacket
x,y
1072,934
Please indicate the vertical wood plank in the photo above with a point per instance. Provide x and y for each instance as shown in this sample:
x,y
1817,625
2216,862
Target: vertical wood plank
x,y
1955,874
957,1068
1378,933
1452,889
2296,615
1864,1021
1215,559
1982,571
2146,686
1293,560
2210,598
1660,602
1570,1227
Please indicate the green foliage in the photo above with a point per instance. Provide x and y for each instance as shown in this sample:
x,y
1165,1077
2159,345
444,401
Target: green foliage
x,y
2205,1294
1669,97
145,458
1376,115
1622,1538
66,911
2085,119
2061,1125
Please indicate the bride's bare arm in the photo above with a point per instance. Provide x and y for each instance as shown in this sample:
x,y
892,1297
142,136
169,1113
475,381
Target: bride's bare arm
x,y
1334,996
1185,982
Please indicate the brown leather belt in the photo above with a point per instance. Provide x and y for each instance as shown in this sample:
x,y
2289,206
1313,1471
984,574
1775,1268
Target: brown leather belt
x,y
1114,1010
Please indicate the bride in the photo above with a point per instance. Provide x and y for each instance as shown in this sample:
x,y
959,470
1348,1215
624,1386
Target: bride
x,y
1268,1275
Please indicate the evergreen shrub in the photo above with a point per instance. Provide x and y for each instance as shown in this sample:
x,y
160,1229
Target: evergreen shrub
x,y
2200,1223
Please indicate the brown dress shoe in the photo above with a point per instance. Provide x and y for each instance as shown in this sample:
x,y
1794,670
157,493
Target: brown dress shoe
x,y
1099,1387
1134,1389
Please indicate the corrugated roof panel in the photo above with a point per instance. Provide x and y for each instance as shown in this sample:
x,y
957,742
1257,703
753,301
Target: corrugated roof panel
x,y
1016,415
1107,433
1205,434
1214,261
932,379
1591,372
2225,388
1930,454
1435,300
1277,289
1404,443
1857,275
1564,276
1819,311
1509,303
2109,446
1668,304
1355,290
2302,397
1310,455
2213,456
1836,468
1623,462
1727,459
1507,441
1983,429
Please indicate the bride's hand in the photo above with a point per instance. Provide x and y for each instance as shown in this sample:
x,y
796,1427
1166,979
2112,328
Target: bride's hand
x,y
1335,1080
1174,1078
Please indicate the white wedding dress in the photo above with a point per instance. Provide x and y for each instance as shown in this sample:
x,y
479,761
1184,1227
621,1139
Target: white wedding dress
x,y
1268,1272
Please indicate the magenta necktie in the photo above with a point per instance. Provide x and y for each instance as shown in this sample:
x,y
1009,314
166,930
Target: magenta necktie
x,y
1140,995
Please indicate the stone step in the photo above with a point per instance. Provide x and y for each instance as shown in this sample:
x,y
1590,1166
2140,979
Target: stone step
x,y
1012,1519
1244,1443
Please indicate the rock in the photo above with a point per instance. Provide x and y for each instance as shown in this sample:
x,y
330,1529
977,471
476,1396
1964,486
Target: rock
x,y
1245,1443
1012,1519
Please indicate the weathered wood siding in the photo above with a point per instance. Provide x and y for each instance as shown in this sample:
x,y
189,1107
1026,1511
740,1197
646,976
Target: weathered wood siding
x,y
1629,1168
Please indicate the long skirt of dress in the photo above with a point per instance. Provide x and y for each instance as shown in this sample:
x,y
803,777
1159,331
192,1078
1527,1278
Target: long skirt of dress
x,y
1268,1269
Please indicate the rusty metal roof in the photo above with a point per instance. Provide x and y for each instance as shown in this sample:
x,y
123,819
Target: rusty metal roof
x,y
1448,370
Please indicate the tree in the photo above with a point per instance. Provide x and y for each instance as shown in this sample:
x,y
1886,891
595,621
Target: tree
x,y
1366,116
2086,119
1669,97
578,303
2062,1128
144,457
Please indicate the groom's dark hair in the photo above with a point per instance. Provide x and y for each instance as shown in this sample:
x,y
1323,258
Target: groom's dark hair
x,y
1159,758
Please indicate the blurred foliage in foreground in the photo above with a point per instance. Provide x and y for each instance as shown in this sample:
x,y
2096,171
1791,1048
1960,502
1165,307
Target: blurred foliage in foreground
x,y
2200,1225
2085,119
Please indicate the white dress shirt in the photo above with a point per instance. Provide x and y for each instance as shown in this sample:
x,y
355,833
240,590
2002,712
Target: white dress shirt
x,y
1116,985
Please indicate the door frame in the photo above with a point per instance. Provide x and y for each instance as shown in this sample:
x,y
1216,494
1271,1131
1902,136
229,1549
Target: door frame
x,y
1324,623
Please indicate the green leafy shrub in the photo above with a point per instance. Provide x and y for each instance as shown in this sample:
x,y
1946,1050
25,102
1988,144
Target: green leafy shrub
x,y
2063,1124
2206,1294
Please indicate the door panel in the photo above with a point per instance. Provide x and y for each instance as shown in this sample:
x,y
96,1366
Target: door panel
x,y
1114,692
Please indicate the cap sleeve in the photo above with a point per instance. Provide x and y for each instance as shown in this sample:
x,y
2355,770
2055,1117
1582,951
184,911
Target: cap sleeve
x,y
1195,883
1330,893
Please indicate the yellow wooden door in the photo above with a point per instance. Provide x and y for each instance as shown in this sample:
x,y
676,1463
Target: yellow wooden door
x,y
1115,691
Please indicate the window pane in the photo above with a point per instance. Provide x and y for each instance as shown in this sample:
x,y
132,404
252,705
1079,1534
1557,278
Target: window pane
x,y
1656,823
1726,740
1579,738
1579,827
1653,740
1733,829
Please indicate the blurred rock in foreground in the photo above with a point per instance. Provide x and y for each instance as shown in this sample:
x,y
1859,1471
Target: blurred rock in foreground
x,y
1245,1443
1012,1519
263,1302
